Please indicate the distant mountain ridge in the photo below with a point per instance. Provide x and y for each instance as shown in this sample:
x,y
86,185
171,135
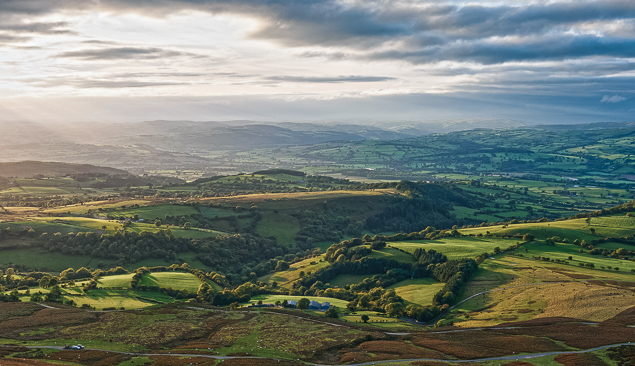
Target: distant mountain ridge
x,y
29,169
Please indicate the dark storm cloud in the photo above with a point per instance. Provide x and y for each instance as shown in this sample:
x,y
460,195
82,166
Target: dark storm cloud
x,y
122,53
337,79
418,31
493,52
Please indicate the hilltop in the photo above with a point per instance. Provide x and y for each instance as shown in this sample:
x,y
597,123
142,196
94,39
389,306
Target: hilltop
x,y
30,169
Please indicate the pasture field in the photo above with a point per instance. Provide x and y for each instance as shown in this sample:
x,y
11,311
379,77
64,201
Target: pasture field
x,y
44,226
53,262
564,251
175,280
454,248
287,277
348,279
79,209
570,229
418,291
105,298
394,254
212,212
155,211
378,320
116,281
279,225
71,224
57,262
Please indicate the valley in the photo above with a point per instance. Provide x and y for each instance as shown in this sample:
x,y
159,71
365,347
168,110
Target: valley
x,y
458,265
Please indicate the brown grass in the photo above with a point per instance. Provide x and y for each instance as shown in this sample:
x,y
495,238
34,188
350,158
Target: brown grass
x,y
576,359
260,362
577,276
24,362
5,351
434,363
626,317
386,350
12,309
593,301
181,361
43,318
86,357
583,336
480,344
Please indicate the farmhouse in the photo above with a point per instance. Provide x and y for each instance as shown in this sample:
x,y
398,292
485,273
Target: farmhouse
x,y
292,303
314,305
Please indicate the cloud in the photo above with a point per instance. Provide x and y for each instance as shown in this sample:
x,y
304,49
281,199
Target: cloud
x,y
37,28
120,53
421,31
612,99
91,83
10,38
336,79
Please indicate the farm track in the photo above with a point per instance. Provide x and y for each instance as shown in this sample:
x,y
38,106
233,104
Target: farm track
x,y
501,358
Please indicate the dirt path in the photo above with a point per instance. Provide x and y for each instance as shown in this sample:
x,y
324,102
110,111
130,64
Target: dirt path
x,y
502,358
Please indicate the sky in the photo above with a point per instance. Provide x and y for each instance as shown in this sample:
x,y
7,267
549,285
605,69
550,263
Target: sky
x,y
539,61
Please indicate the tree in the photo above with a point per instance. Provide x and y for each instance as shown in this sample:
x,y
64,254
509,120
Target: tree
x,y
282,266
331,313
55,295
497,250
303,303
365,318
36,297
44,281
528,237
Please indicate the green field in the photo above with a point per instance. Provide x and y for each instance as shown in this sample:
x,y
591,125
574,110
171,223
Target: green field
x,y
117,281
378,320
104,298
343,280
175,280
454,248
54,262
394,254
418,291
286,278
155,212
571,229
281,226
563,251
67,225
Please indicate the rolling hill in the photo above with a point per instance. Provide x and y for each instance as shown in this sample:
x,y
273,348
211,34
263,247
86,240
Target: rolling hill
x,y
29,169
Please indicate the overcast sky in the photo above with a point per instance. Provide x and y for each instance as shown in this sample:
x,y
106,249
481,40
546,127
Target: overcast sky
x,y
272,60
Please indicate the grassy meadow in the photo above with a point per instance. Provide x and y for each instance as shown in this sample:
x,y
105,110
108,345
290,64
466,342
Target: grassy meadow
x,y
455,248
